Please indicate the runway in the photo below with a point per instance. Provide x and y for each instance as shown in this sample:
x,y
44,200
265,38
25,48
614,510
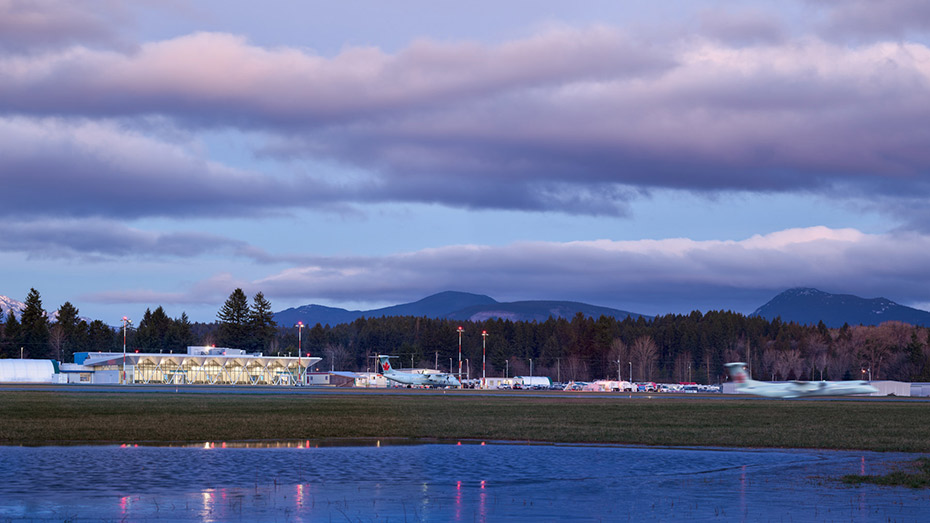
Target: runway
x,y
355,391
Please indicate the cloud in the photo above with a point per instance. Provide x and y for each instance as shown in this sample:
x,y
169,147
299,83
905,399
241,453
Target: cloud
x,y
746,27
31,26
646,276
576,120
55,167
100,240
865,19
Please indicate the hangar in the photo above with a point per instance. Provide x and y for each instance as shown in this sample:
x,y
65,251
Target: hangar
x,y
200,365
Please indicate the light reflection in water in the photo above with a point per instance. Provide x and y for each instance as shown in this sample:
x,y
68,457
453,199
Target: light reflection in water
x,y
414,483
482,503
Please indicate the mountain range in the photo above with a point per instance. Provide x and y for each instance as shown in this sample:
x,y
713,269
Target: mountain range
x,y
462,306
808,306
805,306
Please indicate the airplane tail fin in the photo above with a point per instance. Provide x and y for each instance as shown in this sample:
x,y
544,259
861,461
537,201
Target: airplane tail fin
x,y
738,372
385,362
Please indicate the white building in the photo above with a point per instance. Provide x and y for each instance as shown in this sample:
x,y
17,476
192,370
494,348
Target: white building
x,y
28,371
200,365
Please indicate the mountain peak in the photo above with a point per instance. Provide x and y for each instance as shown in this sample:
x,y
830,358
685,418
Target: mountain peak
x,y
809,306
455,305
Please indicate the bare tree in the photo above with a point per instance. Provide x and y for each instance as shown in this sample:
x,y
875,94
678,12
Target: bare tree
x,y
56,339
338,355
619,355
644,353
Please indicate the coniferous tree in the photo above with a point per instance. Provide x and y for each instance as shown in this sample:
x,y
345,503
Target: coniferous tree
x,y
35,333
68,327
261,322
12,332
101,337
180,335
234,321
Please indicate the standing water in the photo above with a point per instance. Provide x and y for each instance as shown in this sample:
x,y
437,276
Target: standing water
x,y
440,482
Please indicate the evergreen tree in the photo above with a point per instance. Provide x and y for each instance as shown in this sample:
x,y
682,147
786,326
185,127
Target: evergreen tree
x,y
68,325
234,321
101,337
35,333
180,335
12,332
261,323
153,331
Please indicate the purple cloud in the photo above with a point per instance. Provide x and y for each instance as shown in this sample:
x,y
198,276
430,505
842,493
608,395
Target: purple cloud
x,y
575,120
39,25
99,240
866,19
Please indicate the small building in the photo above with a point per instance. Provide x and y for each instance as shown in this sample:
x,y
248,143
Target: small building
x,y
496,383
532,382
29,371
370,380
332,378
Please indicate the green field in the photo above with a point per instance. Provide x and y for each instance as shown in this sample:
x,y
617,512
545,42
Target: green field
x,y
56,417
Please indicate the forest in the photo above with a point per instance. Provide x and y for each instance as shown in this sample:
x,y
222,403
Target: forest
x,y
669,348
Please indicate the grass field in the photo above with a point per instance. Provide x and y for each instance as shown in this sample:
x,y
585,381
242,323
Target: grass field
x,y
57,417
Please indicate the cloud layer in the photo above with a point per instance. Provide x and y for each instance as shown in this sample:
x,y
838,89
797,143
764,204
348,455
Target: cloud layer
x,y
646,276
577,120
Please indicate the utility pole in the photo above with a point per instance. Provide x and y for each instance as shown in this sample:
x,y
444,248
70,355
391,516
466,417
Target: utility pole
x,y
461,330
125,322
437,360
300,328
558,369
484,345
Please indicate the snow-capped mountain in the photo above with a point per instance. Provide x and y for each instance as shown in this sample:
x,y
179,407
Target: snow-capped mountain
x,y
7,303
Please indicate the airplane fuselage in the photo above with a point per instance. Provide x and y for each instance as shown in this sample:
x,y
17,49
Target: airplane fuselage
x,y
794,389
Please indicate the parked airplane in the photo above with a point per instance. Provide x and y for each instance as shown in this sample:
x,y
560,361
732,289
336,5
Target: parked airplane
x,y
794,389
438,379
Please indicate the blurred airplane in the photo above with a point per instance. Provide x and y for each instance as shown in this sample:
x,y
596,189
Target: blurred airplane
x,y
437,379
794,389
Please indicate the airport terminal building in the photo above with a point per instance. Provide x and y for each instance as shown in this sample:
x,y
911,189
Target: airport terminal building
x,y
200,365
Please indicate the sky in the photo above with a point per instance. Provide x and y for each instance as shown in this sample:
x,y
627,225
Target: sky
x,y
655,157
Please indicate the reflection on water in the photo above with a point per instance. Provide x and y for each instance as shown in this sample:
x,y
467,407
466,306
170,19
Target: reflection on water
x,y
305,481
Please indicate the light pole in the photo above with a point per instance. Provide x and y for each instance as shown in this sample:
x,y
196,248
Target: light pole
x,y
631,373
531,367
300,329
461,330
484,350
467,369
126,321
506,368
451,368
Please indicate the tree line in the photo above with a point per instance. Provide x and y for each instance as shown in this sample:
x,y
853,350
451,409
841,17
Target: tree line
x,y
674,347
